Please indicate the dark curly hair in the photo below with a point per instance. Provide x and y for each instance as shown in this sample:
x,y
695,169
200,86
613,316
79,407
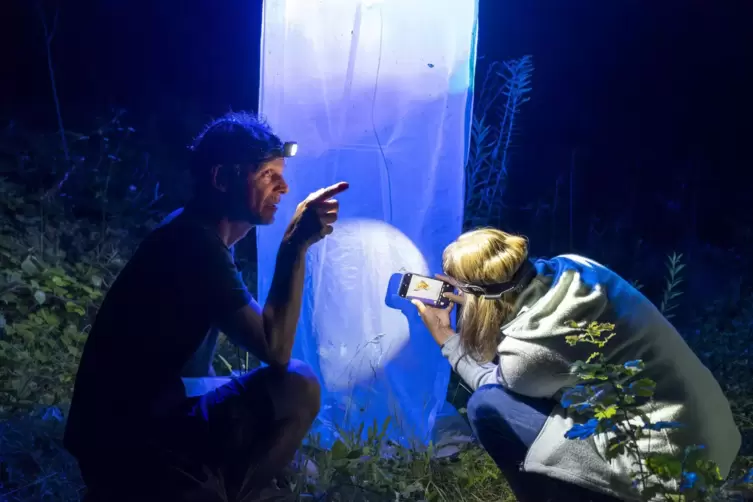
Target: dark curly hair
x,y
237,138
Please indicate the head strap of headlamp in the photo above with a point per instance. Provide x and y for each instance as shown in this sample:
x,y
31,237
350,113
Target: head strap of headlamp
x,y
519,281
231,155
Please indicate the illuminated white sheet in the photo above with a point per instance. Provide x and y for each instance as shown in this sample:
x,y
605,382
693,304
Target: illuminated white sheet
x,y
376,93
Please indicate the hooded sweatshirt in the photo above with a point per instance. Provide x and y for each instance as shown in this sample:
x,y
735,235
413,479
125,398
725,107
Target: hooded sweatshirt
x,y
534,360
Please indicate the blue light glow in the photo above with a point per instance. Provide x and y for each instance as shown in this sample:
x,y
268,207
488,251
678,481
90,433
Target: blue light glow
x,y
375,93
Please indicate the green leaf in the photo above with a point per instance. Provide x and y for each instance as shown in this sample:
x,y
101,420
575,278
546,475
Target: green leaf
x,y
664,465
40,297
28,266
616,447
339,450
225,362
74,309
607,412
385,425
643,387
572,339
593,356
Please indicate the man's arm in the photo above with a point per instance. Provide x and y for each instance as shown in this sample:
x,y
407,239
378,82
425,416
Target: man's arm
x,y
272,331
283,307
269,333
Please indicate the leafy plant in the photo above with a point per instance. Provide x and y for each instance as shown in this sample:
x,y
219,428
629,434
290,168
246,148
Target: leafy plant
x,y
59,254
612,397
374,470
671,285
503,92
52,280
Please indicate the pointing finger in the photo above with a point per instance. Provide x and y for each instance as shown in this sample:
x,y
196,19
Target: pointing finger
x,y
329,192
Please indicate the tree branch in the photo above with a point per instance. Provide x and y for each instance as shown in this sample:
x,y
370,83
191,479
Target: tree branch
x,y
49,35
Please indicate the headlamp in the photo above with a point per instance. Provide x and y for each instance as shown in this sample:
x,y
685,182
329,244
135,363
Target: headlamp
x,y
289,149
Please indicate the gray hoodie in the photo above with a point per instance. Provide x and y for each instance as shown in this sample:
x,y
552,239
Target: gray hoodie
x,y
534,361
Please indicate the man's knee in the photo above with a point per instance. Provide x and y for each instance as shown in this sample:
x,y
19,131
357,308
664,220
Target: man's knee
x,y
297,391
305,385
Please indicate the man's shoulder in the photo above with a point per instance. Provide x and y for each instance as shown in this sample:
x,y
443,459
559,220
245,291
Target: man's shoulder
x,y
176,249
178,230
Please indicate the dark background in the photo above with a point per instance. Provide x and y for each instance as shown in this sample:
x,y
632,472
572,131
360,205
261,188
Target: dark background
x,y
651,98
655,96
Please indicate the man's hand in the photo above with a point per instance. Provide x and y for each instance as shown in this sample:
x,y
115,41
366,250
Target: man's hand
x,y
437,320
314,216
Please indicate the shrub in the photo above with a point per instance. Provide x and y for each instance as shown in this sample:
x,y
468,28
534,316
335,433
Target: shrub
x,y
610,397
61,248
54,274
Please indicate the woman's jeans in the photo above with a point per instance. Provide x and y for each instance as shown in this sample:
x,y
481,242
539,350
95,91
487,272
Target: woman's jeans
x,y
507,424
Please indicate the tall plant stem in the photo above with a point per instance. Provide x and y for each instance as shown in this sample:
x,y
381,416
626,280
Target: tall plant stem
x,y
49,35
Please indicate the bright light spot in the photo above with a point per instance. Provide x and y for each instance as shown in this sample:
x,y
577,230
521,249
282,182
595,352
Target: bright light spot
x,y
351,272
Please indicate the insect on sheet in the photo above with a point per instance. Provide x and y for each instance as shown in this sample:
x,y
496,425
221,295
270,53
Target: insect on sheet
x,y
378,94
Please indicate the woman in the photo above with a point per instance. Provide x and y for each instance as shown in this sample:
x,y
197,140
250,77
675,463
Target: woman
x,y
511,351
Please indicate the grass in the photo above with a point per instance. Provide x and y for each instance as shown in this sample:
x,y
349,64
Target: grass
x,y
35,467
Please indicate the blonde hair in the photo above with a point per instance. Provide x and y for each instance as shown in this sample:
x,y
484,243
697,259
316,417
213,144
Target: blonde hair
x,y
484,256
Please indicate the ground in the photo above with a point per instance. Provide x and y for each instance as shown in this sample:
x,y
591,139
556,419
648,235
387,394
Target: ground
x,y
34,466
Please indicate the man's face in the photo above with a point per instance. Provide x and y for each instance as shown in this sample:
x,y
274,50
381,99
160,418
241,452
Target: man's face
x,y
264,189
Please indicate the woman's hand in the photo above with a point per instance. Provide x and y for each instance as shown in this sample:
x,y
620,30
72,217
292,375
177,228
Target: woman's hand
x,y
454,298
437,320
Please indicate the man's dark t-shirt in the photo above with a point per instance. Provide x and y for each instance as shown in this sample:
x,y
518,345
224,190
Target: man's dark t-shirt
x,y
161,308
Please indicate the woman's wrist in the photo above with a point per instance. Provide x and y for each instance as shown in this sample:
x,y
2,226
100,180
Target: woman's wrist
x,y
443,335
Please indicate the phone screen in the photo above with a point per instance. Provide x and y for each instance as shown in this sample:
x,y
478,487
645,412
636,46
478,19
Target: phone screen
x,y
425,289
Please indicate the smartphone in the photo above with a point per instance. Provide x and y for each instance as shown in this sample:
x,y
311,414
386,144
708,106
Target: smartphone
x,y
425,289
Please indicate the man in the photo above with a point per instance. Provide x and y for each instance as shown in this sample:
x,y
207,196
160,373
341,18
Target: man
x,y
134,432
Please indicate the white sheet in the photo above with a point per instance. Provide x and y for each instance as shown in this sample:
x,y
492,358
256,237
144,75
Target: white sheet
x,y
376,93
